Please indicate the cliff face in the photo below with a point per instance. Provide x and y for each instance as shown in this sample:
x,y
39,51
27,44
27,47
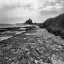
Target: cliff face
x,y
55,25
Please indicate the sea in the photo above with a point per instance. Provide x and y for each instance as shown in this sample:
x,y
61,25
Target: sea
x,y
6,25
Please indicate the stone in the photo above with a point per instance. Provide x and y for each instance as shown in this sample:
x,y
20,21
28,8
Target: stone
x,y
13,63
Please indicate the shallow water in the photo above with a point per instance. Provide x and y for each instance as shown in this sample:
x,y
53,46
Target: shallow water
x,y
6,25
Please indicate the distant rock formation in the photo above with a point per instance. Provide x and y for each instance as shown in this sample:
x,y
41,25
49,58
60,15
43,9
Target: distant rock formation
x,y
28,21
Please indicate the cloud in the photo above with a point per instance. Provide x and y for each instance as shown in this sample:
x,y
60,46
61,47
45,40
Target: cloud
x,y
56,7
52,5
16,9
59,1
13,11
10,7
40,5
17,3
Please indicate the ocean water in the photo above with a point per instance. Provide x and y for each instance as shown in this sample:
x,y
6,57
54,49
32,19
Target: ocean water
x,y
6,25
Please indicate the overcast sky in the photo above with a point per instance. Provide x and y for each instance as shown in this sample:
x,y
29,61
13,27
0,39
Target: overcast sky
x,y
15,11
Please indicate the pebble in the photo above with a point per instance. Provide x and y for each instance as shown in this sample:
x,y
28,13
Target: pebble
x,y
9,47
36,61
12,50
13,63
6,57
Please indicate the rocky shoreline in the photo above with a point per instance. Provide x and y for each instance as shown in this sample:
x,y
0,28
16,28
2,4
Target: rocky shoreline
x,y
32,47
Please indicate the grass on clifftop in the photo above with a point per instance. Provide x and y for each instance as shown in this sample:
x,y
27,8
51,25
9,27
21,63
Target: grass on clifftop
x,y
54,25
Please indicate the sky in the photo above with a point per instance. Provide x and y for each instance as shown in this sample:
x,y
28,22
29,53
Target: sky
x,y
18,11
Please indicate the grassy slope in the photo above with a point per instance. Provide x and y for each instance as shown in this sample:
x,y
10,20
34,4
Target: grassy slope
x,y
54,25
